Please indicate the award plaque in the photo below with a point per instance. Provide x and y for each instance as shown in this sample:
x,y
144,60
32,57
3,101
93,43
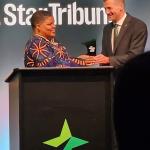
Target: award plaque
x,y
91,47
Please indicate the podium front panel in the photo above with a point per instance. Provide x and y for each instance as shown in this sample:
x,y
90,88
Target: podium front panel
x,y
80,98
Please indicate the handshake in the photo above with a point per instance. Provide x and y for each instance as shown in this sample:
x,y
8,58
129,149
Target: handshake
x,y
92,60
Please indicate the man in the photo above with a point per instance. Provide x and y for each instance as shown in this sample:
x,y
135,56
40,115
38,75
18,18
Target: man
x,y
131,38
42,50
129,42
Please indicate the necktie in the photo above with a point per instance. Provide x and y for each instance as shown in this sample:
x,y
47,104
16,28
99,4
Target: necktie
x,y
115,33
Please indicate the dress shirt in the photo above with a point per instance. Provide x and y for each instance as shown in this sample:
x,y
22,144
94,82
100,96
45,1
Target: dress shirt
x,y
119,24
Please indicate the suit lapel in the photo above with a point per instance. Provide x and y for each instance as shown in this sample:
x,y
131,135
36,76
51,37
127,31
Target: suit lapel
x,y
123,31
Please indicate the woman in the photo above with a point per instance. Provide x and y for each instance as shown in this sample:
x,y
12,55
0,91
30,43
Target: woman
x,y
42,50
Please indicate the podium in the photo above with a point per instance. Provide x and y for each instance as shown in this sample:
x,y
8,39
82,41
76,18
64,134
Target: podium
x,y
70,104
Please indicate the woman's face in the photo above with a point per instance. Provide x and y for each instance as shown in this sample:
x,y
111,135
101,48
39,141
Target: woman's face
x,y
46,27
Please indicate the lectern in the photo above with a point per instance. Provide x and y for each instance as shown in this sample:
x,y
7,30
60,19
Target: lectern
x,y
60,108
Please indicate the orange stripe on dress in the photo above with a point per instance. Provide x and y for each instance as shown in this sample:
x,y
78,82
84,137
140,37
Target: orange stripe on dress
x,y
30,63
46,60
43,64
83,63
76,61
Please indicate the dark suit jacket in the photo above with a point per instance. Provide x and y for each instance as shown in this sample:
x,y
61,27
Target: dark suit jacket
x,y
131,41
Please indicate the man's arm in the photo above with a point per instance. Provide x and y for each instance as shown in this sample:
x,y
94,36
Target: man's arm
x,y
137,46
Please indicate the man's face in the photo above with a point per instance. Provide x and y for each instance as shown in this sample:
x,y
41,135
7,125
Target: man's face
x,y
47,27
113,10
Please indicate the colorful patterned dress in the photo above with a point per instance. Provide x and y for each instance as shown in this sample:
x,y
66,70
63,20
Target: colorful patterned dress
x,y
40,52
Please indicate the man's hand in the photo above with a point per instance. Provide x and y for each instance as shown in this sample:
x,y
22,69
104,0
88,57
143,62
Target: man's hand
x,y
90,61
83,56
101,59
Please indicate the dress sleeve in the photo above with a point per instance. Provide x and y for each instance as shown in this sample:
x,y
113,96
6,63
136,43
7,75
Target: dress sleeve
x,y
42,53
64,59
38,54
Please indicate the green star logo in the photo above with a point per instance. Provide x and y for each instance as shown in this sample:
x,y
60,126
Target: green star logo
x,y
64,136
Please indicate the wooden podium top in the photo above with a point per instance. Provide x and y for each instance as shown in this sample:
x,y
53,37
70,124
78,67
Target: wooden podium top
x,y
58,70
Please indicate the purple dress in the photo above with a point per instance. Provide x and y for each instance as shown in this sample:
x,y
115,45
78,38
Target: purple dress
x,y
40,52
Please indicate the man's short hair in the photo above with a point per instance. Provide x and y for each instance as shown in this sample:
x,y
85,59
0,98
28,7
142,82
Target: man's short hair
x,y
122,1
38,17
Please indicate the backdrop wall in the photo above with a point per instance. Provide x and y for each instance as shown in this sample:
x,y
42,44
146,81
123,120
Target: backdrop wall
x,y
77,21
